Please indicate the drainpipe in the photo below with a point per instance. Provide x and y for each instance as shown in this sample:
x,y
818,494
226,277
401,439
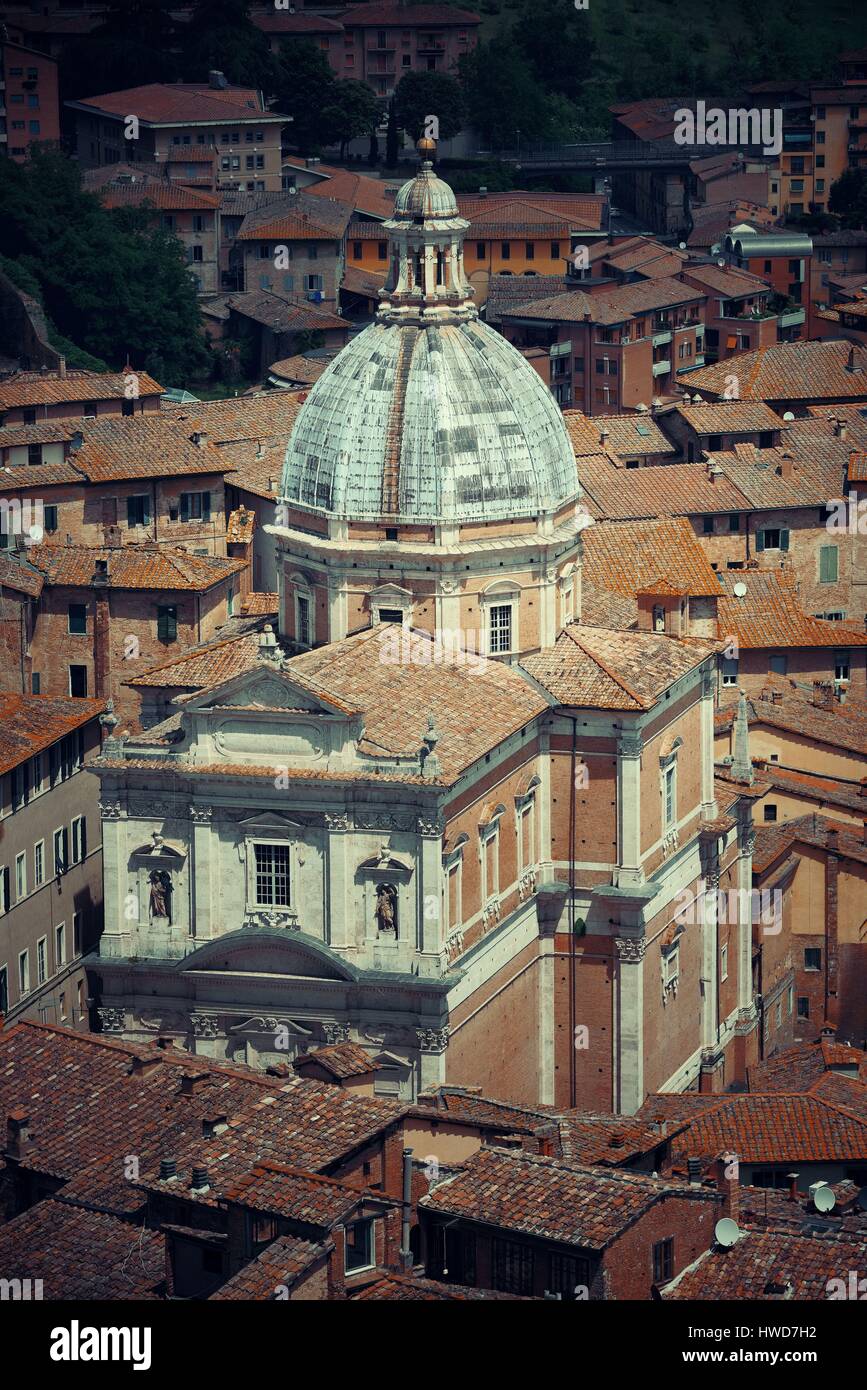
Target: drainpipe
x,y
405,1252
573,965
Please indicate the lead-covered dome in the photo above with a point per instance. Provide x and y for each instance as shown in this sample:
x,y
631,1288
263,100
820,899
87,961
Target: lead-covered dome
x,y
429,415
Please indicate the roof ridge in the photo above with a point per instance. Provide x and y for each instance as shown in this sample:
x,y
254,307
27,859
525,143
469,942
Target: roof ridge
x,y
618,680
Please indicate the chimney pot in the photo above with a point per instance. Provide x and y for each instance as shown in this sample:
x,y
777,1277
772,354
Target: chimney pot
x,y
199,1178
168,1169
193,1083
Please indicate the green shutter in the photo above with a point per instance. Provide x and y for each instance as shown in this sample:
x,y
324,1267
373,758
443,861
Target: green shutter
x,y
828,564
130,511
146,511
760,540
185,506
206,506
784,539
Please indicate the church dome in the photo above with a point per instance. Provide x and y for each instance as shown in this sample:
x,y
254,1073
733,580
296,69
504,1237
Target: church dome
x,y
429,415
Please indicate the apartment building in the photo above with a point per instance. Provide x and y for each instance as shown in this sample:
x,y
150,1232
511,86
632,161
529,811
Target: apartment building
x,y
30,398
295,247
381,43
29,105
175,124
50,857
782,260
190,214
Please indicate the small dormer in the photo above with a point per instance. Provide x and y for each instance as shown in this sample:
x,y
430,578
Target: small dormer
x,y
663,607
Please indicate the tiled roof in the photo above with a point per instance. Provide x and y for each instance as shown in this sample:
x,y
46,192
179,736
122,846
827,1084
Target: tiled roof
x,y
16,572
769,614
574,208
475,703
607,669
82,1255
824,833
159,103
48,388
256,467
798,1068
307,216
609,306
462,1104
607,1140
372,197
673,489
294,1194
415,1288
770,1265
279,1267
774,1128
842,726
366,282
161,195
43,432
281,315
826,791
627,436
547,1198
440,16
29,723
807,371
132,567
806,474
727,281
629,556
302,368
505,292
268,415
605,608
731,417
284,23
342,1059
211,664
24,478
144,446
260,605
286,227
240,527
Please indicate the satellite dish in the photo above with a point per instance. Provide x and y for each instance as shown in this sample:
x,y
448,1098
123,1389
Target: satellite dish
x,y
788,415
726,1232
721,263
824,1199
740,589
715,250
681,245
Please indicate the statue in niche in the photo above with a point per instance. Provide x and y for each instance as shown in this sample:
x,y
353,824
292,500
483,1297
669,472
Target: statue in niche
x,y
161,894
386,908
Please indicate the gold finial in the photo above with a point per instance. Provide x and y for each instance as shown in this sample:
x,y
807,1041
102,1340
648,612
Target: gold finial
x,y
426,147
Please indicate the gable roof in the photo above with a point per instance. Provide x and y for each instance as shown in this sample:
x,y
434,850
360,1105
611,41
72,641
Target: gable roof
x,y
602,668
30,723
630,556
628,436
133,567
49,388
841,726
802,371
177,103
767,1265
769,614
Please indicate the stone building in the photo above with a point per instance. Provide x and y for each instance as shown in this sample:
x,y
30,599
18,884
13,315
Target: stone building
x,y
457,827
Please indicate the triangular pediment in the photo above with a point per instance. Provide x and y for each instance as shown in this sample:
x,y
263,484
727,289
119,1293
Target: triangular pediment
x,y
270,688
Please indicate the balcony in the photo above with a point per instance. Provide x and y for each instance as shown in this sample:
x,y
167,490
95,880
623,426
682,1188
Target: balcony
x,y
792,317
662,368
661,338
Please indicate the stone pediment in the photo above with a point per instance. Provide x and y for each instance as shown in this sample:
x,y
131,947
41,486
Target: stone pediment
x,y
269,688
268,951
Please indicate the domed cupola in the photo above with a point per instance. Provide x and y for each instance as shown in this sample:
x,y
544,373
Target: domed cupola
x,y
430,432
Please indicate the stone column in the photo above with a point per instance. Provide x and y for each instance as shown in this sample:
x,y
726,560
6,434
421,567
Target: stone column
x,y
204,876
338,913
708,799
746,845
709,962
432,1044
629,747
430,935
120,927
547,1022
629,1040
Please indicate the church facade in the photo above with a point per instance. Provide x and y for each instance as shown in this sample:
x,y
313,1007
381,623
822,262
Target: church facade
x,y
441,816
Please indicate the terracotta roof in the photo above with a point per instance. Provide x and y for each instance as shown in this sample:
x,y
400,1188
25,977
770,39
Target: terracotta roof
x,y
824,833
366,282
143,446
160,103
16,572
284,316
342,1059
475,703
404,16
373,197
240,527
505,292
800,474
294,1194
29,723
268,415
43,432
630,556
774,1128
798,1068
414,1288
256,467
731,417
727,281
627,436
670,489
282,22
302,368
213,663
804,371
841,726
162,195
285,1261
48,388
133,567
547,1198
607,669
82,1255
769,614
609,306
768,1265
261,605
286,227
26,477
824,791
607,1140
605,608
304,216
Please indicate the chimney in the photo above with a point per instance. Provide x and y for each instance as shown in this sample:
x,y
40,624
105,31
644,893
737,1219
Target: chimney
x,y
823,694
168,1169
615,1140
145,1066
194,1082
693,1170
199,438
199,1178
217,79
785,468
406,1213
61,369
832,836
18,1139
730,1187
840,428
794,1194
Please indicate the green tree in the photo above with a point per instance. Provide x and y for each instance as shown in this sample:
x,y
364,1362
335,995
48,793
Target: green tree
x,y
848,198
504,98
305,87
422,94
557,42
111,281
353,110
131,47
221,35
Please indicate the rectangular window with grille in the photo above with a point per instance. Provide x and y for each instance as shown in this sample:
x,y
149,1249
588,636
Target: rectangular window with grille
x,y
272,875
663,1261
513,1268
501,628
